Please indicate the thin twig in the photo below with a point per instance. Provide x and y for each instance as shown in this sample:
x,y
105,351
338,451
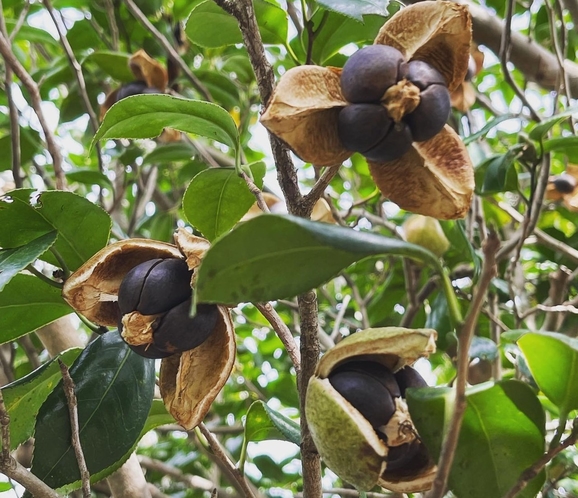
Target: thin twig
x,y
220,453
196,82
256,191
504,58
282,332
68,386
339,317
490,248
78,73
537,467
112,24
318,189
32,88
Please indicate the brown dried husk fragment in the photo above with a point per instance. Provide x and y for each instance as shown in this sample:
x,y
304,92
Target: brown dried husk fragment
x,y
434,178
303,112
438,33
146,69
189,382
92,290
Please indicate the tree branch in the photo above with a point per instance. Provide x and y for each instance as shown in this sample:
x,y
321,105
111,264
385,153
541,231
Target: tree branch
x,y
450,443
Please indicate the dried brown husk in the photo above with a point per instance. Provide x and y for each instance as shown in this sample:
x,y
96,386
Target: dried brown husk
x,y
344,438
303,112
92,290
438,33
190,381
147,69
434,178
570,200
464,96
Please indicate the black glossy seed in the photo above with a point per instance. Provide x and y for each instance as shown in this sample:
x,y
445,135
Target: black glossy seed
x,y
431,114
167,285
362,126
422,75
374,369
133,88
132,284
176,331
155,286
406,460
564,183
409,377
369,72
394,145
366,394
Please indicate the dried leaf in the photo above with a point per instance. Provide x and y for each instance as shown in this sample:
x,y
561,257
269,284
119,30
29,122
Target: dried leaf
x,y
435,178
436,32
303,112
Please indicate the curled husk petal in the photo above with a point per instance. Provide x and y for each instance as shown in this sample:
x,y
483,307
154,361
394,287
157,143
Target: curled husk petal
x,y
146,69
303,112
434,178
344,438
189,382
436,32
92,290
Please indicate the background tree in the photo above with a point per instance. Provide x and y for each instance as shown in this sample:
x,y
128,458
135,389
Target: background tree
x,y
74,180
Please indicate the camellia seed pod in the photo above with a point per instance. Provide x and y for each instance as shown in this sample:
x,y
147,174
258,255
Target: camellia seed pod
x,y
190,379
390,102
357,414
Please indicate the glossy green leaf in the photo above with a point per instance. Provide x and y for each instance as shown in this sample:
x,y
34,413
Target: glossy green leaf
x,y
489,126
502,434
115,64
333,31
210,26
263,423
539,130
217,198
89,177
176,151
483,348
145,116
114,388
497,174
27,303
83,227
12,261
158,415
553,361
356,8
271,257
30,145
221,87
24,397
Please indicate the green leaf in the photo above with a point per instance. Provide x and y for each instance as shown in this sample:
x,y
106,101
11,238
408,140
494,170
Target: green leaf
x,y
272,256
176,151
114,388
24,397
497,174
502,434
12,261
83,227
89,177
334,31
115,64
210,26
29,147
553,361
489,126
263,423
356,8
158,415
27,303
538,131
145,116
483,348
217,198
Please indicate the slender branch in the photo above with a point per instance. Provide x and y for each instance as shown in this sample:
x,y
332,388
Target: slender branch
x,y
310,349
78,73
32,88
219,452
256,191
68,385
112,23
339,317
283,333
490,248
318,189
537,467
196,82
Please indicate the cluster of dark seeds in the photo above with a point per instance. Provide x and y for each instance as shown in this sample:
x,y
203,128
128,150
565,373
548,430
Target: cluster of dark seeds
x,y
163,287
